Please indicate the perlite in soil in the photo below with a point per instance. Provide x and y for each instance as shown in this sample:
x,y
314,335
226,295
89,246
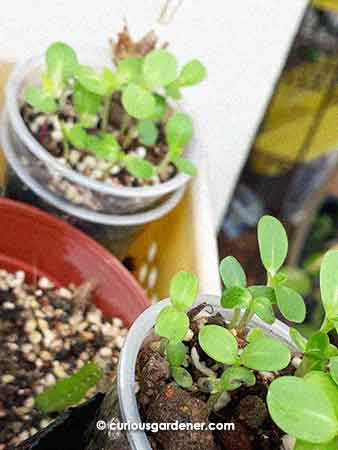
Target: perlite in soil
x,y
56,350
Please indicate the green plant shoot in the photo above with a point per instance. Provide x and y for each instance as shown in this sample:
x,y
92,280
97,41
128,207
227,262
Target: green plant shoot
x,y
69,391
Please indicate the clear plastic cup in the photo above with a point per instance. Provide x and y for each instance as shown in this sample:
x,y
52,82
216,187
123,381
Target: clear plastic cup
x,y
69,185
114,232
138,332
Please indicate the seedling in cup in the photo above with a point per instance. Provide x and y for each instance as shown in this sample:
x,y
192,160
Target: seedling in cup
x,y
144,87
303,404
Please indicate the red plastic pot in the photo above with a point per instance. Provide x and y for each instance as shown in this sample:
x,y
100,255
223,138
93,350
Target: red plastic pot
x,y
41,245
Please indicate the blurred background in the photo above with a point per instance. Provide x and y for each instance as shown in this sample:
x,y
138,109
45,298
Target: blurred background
x,y
291,168
266,123
242,44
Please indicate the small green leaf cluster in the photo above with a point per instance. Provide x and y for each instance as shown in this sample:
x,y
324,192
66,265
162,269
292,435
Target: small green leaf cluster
x,y
172,324
311,415
61,62
69,391
145,85
176,355
105,146
316,377
261,299
260,354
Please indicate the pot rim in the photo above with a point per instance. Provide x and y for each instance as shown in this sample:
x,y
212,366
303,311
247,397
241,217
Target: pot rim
x,y
13,91
77,267
127,364
140,218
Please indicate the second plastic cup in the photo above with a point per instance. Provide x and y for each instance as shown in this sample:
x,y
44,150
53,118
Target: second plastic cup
x,y
114,232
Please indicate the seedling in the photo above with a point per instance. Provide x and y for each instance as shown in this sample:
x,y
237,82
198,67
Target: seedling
x,y
173,323
259,300
305,405
69,391
105,146
144,85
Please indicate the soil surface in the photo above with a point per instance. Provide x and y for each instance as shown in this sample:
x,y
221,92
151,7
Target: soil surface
x,y
46,334
46,129
160,399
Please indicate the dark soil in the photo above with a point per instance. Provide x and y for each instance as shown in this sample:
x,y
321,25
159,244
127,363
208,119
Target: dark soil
x,y
46,334
175,404
160,399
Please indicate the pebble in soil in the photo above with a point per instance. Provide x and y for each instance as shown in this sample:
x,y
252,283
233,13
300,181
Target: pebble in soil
x,y
46,333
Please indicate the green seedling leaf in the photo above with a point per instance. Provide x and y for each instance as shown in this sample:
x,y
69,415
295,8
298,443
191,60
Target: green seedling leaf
x,y
69,391
290,304
234,377
334,369
266,354
173,90
218,343
129,70
278,280
236,297
61,64
298,280
273,243
110,81
332,351
147,132
138,101
183,290
185,166
317,346
86,104
263,309
192,73
301,410
255,334
326,384
139,167
209,385
263,291
105,146
329,284
90,80
174,153
232,273
301,445
182,377
172,324
78,137
310,364
179,130
160,108
47,85
159,68
299,341
40,101
176,354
